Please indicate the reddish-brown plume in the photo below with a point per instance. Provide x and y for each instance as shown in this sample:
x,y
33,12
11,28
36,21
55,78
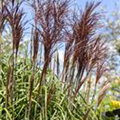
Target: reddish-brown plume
x,y
84,49
14,17
51,16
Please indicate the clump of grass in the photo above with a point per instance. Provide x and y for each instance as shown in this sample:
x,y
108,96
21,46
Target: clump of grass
x,y
84,50
37,92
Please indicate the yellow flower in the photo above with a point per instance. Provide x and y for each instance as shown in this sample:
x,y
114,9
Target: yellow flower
x,y
115,103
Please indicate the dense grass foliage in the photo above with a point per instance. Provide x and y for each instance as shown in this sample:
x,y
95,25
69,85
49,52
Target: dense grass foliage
x,y
33,85
54,100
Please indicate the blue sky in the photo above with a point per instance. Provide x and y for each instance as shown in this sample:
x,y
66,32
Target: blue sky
x,y
108,3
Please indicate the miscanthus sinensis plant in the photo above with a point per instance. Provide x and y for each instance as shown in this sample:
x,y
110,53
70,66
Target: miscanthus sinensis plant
x,y
31,91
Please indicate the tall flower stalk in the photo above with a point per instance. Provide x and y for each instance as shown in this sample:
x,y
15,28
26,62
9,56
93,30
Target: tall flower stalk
x,y
15,19
35,40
